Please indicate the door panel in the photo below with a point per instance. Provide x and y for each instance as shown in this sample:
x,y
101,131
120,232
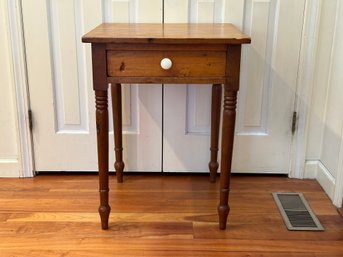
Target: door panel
x,y
267,92
61,94
268,86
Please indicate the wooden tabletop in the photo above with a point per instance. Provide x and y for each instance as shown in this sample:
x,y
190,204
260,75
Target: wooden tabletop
x,y
192,33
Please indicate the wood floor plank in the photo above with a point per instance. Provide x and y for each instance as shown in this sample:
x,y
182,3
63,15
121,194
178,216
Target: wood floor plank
x,y
4,216
120,253
245,218
107,243
118,230
271,231
159,202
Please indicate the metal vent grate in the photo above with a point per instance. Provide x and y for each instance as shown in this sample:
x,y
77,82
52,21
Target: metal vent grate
x,y
296,212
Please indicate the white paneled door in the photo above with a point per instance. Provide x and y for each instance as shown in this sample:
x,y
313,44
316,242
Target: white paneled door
x,y
60,85
267,93
62,99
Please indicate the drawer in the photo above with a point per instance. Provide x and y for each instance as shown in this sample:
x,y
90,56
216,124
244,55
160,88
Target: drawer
x,y
183,64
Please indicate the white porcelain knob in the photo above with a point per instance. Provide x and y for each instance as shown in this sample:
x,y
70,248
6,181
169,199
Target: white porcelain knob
x,y
166,63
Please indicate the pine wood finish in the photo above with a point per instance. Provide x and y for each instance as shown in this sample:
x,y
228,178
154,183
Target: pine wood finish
x,y
215,122
340,211
102,136
118,134
188,33
200,53
55,215
191,63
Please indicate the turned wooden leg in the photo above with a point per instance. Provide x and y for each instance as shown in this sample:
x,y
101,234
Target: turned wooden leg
x,y
215,121
102,137
228,131
117,127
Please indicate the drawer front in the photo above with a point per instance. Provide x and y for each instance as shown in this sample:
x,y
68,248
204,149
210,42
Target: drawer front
x,y
183,63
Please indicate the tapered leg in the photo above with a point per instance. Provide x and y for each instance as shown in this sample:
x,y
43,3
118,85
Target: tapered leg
x,y
118,134
215,121
228,130
102,137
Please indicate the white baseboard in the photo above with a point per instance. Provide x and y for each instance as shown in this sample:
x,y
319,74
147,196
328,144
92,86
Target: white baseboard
x,y
316,170
311,169
9,168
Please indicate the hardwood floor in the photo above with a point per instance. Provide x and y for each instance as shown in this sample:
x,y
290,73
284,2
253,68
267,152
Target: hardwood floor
x,y
155,215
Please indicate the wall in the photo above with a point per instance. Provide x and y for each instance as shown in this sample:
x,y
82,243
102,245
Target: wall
x,y
10,165
325,147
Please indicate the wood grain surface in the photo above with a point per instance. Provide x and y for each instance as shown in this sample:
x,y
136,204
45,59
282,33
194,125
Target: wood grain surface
x,y
184,64
155,215
166,33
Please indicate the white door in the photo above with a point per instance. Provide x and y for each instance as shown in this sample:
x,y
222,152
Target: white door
x,y
267,91
60,86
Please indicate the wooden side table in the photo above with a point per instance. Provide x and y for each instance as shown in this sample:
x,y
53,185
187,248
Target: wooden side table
x,y
166,53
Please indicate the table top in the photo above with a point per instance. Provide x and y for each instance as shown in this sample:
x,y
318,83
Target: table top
x,y
167,33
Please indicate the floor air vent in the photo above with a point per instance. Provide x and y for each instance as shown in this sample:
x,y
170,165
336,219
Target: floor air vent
x,y
296,212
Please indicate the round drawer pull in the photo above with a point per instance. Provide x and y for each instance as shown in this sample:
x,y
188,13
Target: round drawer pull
x,y
166,63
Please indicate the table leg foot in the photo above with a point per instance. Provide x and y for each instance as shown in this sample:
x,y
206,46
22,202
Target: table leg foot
x,y
213,167
119,167
223,211
104,212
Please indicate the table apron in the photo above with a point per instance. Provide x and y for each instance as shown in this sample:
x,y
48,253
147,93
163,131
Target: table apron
x,y
167,80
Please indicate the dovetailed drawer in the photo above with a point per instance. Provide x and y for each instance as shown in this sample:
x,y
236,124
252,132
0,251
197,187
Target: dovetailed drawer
x,y
183,63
